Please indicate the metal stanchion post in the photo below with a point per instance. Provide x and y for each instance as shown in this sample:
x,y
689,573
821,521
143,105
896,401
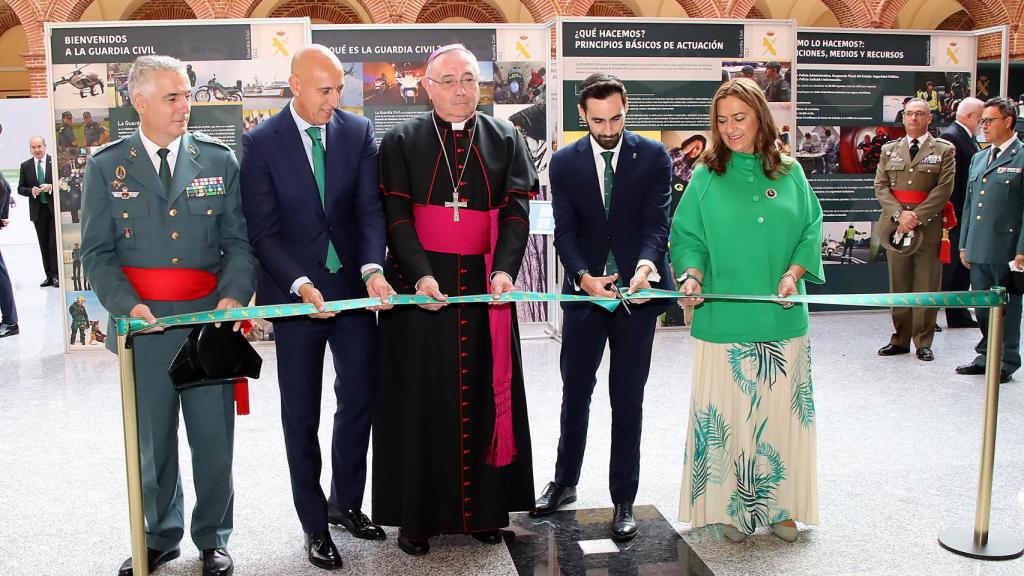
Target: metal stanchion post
x,y
132,460
979,542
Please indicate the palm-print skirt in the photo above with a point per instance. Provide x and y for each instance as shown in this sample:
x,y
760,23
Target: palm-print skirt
x,y
750,445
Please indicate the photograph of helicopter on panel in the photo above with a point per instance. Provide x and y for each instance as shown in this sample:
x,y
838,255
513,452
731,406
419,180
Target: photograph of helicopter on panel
x,y
79,85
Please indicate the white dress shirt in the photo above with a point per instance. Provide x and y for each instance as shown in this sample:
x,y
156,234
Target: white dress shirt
x,y
654,276
152,148
307,146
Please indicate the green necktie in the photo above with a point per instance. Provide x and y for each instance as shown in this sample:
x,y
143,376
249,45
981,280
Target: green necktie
x,y
609,179
165,169
319,170
41,178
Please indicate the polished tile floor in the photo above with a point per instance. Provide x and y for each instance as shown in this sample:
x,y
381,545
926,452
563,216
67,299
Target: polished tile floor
x,y
897,462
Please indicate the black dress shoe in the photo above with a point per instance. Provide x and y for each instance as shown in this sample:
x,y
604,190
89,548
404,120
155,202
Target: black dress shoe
x,y
55,283
938,328
1004,377
356,523
155,558
489,536
965,324
554,497
925,354
892,350
413,547
217,562
971,369
47,282
624,525
8,330
322,551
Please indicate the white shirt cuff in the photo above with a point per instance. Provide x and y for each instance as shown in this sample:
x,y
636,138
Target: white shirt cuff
x,y
653,276
371,266
299,282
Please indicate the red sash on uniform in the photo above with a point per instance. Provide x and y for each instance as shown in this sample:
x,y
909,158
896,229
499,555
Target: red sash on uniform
x,y
948,218
177,284
476,232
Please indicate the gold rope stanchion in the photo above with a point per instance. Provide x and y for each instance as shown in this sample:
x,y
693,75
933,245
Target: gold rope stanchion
x,y
132,460
980,542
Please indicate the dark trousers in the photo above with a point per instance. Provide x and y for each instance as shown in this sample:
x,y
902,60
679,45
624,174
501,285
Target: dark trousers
x,y
984,277
583,342
956,278
8,312
46,232
301,343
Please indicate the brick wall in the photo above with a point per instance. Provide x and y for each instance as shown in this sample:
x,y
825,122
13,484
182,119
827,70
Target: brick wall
x,y
330,10
163,10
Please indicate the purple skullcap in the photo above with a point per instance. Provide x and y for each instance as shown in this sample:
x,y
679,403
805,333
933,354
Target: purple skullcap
x,y
446,48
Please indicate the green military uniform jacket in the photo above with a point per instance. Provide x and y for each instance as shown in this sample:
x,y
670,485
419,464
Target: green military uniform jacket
x,y
129,220
79,315
932,171
994,207
743,230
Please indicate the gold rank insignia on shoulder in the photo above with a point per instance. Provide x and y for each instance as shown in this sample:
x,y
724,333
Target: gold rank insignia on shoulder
x,y
120,172
192,149
132,152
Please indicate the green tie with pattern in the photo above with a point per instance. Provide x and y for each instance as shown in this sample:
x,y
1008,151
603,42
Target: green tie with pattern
x,y
319,170
165,169
609,179
41,178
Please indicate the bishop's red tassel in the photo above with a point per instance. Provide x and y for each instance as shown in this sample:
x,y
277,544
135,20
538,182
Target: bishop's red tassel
x,y
242,396
242,384
944,248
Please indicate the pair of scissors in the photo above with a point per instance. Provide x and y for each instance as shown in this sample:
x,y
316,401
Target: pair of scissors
x,y
621,298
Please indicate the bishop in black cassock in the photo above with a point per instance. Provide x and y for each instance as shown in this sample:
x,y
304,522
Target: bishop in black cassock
x,y
451,439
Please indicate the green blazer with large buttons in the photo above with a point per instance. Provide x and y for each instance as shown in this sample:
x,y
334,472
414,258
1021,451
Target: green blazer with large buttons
x,y
994,207
128,219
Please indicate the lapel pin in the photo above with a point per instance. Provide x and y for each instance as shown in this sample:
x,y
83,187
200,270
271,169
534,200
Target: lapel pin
x,y
132,152
771,193
192,150
120,172
634,155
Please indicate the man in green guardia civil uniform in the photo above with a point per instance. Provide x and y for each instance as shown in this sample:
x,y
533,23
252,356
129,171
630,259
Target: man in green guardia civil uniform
x,y
990,235
163,233
913,183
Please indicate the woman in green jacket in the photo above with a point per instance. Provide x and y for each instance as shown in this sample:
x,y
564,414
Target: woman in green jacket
x,y
748,223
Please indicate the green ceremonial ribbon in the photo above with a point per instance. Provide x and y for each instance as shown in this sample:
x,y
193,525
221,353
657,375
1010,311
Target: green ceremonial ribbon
x,y
977,299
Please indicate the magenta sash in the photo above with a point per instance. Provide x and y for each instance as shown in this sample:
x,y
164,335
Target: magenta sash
x,y
476,232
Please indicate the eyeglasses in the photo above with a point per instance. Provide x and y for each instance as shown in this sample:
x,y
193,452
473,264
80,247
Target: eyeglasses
x,y
988,121
450,83
917,113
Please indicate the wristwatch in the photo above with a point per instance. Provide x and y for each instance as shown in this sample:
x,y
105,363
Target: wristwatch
x,y
686,276
580,275
896,216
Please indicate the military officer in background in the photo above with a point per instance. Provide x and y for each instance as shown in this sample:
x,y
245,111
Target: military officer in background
x,y
96,134
66,131
990,235
163,233
913,182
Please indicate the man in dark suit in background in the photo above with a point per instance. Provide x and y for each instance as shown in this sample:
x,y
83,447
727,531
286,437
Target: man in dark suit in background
x,y
316,223
8,312
961,135
610,195
36,183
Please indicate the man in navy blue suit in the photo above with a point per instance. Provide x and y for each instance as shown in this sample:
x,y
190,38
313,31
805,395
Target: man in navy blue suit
x,y
8,311
316,223
610,193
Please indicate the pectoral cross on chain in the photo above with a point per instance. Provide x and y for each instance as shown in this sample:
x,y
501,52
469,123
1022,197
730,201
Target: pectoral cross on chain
x,y
456,204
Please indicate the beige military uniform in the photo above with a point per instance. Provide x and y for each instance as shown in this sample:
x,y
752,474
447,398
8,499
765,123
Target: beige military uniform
x,y
916,267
